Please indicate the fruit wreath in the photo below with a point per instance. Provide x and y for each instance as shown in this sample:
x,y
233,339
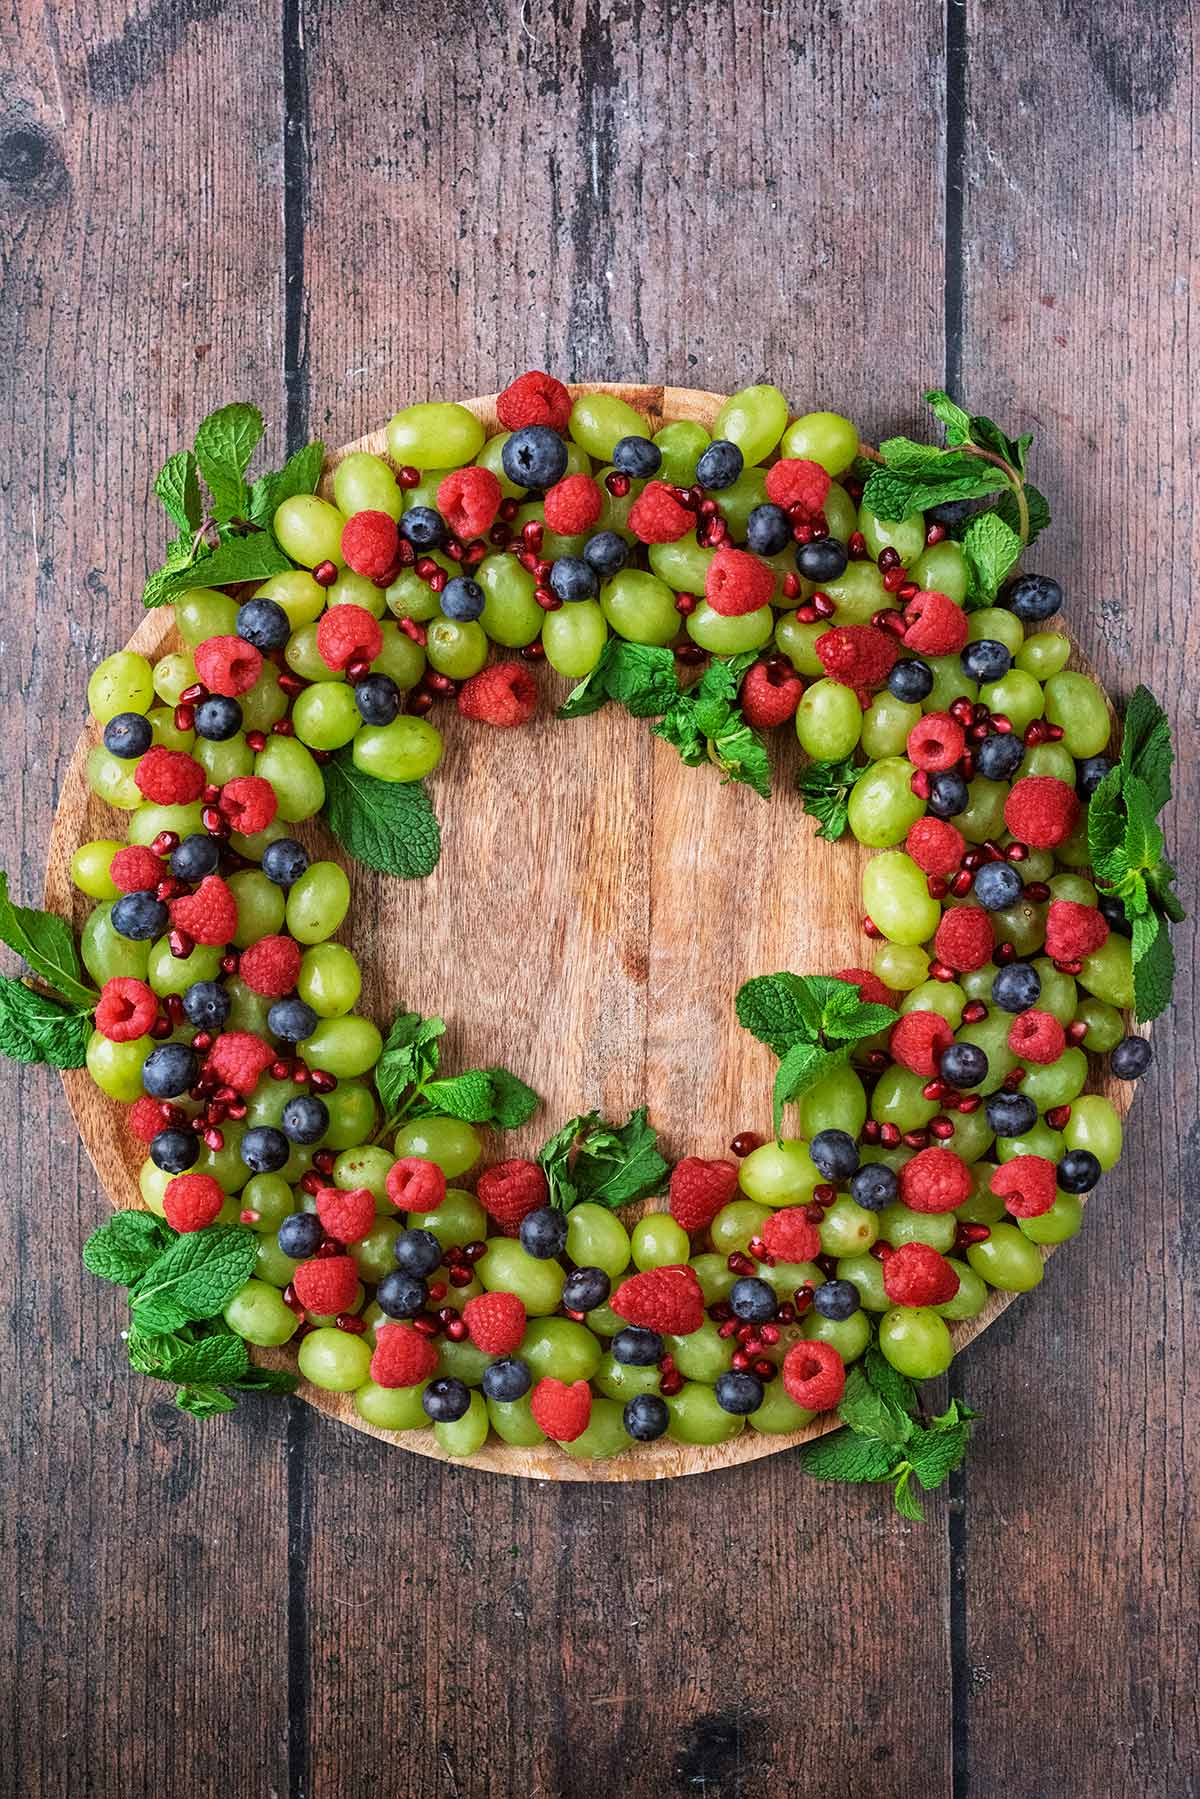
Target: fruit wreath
x,y
312,1201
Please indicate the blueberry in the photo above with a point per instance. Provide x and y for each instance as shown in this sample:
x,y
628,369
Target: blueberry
x,y
462,598
292,1020
543,1233
284,861
768,530
911,681
1113,913
305,1119
447,1400
646,1417
377,698
835,1154
999,756
997,885
585,1289
175,1151
264,1150
139,916
417,1252
1078,1171
950,512
963,1065
301,1235
1089,774
424,528
948,794
1131,1058
874,1186
637,456
824,559
206,1005
1017,987
217,718
1034,598
534,456
606,552
128,735
264,623
506,1380
753,1300
636,1348
170,1070
196,857
737,1392
986,660
719,466
400,1294
836,1300
571,578
1010,1114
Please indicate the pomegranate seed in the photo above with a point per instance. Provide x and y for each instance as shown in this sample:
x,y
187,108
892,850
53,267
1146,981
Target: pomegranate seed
x,y
941,1128
824,1194
856,546
310,1182
1076,1031
213,1139
871,1131
871,929
672,1383
346,1321
162,1027
323,1081
180,944
533,652
546,599
769,1334
1005,953
791,587
165,842
807,615
815,1214
970,1102
740,1360
935,534
919,784
961,884
291,684
415,632
426,1326
938,886
888,559
737,1263
939,971
617,485
974,1011
185,717
894,580
1058,1117
908,592
1069,967
889,1135
420,701
877,1060
758,1249
935,1090
1014,1079
823,606
727,1329
689,654
686,604
960,711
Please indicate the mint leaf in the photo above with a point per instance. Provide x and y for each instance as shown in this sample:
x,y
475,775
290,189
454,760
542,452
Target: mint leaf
x,y
466,1096
615,1167
893,497
47,944
203,1400
265,1380
555,1154
1143,841
935,1453
388,825
1038,507
642,678
225,442
777,1009
680,730
888,1381
1146,746
168,1356
741,755
846,1457
802,1066
253,558
124,1248
825,789
905,457
513,1103
871,1413
991,548
299,474
592,692
178,488
158,589
35,1028
408,1058
905,1500
1106,824
988,436
1153,967
956,421
195,1276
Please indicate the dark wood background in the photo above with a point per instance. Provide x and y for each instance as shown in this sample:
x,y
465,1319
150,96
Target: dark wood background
x,y
334,209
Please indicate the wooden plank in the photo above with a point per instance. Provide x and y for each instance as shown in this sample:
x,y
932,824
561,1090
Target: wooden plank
x,y
139,235
1081,1532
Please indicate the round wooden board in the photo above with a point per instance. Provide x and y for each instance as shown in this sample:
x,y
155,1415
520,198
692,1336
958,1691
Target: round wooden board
x,y
596,907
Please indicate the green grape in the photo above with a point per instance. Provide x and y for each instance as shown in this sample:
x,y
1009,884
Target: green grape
x,y
272,1265
598,422
722,636
406,750
703,1354
949,681
841,514
1018,696
90,865
984,816
738,500
467,1434
900,966
456,647
318,902
375,1253
1057,1083
491,457
152,1185
326,715
784,1277
779,1414
596,1238
106,954
1063,1221
1040,1140
683,566
1007,1260
754,420
1074,887
364,1165
1053,759
971,1297
847,1229
715,1276
248,1010
257,1313
622,1381
334,1359
603,1321
561,1349
259,904
896,896
906,535
270,1198
355,590
615,508
305,659
574,638
981,1205
1105,1026
1095,1124
829,721
997,624
658,1242
898,1225
972,1135
849,1336
116,1068
266,702
942,568
916,1341
298,782
883,807
824,437
1043,654
640,607
171,674
514,1423
991,1036
412,598
779,1174
225,1164
330,980
1107,973
121,683
797,641
866,1275
460,1219
604,1434
439,435
736,1224
302,598
224,762
461,1361
885,726
365,483
111,779
352,1114
511,616
838,1102
265,1105
1077,704
506,1266
1023,926
202,612
697,1418
175,974
425,493
682,444
898,1099
1075,851
1059,995
391,1408
399,657
309,530
946,998
857,594
453,1145
344,1046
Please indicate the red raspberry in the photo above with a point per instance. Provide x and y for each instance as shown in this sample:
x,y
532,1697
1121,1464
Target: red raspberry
x,y
370,544
1041,811
737,582
790,1236
191,1201
509,1191
936,626
794,481
136,870
936,846
249,803
699,1189
469,499
656,516
228,665
915,1275
209,915
918,1039
145,1119
496,1322
936,742
768,699
403,1357
814,1375
534,398
169,778
127,1009
1028,1185
936,1180
237,1058
964,939
857,655
348,1214
415,1185
662,1299
871,989
1037,1037
560,1410
348,634
1074,931
327,1285
573,505
271,966
504,694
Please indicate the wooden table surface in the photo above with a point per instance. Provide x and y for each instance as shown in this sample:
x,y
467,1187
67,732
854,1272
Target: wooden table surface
x,y
337,209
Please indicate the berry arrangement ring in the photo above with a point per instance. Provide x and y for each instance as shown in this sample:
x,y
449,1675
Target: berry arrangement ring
x,y
308,1200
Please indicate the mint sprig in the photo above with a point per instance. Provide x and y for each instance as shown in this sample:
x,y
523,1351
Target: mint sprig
x,y
825,789
705,724
609,1165
407,1087
388,825
641,677
37,1028
811,1022
47,944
